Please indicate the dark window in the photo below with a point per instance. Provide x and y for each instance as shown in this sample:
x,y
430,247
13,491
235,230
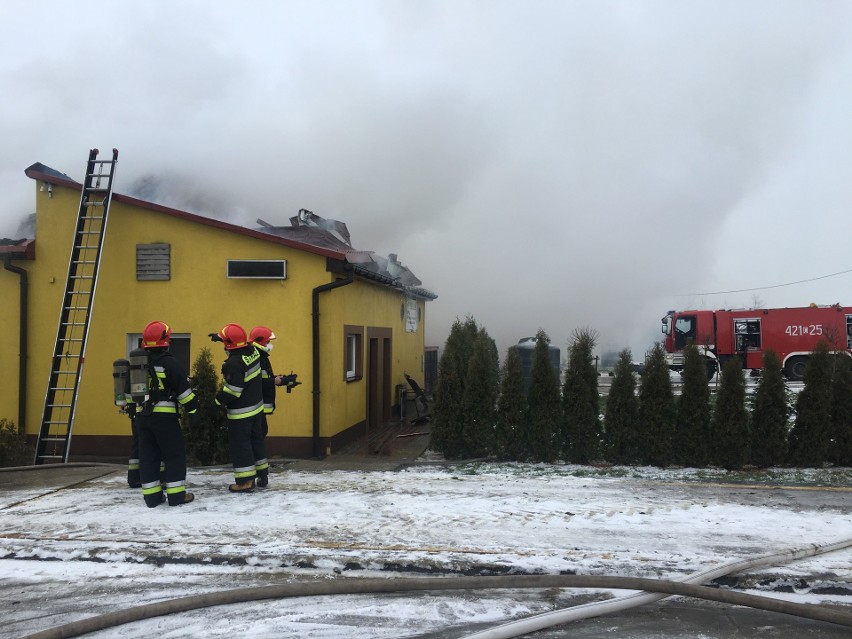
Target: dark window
x,y
258,269
178,347
684,331
748,334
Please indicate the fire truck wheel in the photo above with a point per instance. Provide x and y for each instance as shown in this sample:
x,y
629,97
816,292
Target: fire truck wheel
x,y
711,369
794,369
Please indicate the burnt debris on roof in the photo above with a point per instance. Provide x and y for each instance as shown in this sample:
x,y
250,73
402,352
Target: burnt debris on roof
x,y
310,228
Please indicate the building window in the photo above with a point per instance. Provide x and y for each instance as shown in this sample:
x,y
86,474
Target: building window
x,y
258,269
178,346
353,352
748,334
153,262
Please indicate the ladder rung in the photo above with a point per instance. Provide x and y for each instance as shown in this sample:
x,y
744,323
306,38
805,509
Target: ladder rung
x,y
73,323
62,388
51,457
64,372
59,405
82,277
100,174
88,233
84,262
54,439
80,292
55,422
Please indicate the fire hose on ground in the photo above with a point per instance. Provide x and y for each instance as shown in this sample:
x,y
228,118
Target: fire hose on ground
x,y
661,587
619,604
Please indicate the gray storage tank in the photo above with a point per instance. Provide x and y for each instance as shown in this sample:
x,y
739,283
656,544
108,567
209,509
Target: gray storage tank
x,y
526,347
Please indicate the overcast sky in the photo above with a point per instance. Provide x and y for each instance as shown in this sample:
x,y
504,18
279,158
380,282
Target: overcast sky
x,y
540,164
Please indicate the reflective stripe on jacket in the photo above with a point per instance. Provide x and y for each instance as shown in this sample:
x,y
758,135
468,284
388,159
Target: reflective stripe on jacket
x,y
242,388
171,388
268,382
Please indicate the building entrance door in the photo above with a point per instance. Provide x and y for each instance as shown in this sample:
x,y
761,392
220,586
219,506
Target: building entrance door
x,y
378,378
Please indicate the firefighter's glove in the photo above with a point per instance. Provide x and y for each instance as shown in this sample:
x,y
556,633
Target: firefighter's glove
x,y
214,337
289,381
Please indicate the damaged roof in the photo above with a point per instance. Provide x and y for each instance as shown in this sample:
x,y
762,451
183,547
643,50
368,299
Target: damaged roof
x,y
307,232
310,228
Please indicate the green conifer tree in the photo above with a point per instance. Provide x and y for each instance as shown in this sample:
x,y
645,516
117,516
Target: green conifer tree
x,y
448,409
621,420
769,415
692,427
841,411
207,441
511,409
656,410
543,403
14,450
482,385
729,427
581,432
811,434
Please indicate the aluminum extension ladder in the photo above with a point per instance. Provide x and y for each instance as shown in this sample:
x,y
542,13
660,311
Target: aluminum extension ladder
x,y
69,352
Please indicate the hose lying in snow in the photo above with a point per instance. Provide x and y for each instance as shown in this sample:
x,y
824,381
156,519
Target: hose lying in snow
x,y
378,585
619,604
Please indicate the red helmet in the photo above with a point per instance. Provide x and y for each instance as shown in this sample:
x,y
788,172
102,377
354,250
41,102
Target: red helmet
x,y
156,335
262,335
234,336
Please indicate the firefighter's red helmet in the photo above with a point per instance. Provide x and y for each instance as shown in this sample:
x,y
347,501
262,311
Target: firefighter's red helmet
x,y
156,335
234,336
261,335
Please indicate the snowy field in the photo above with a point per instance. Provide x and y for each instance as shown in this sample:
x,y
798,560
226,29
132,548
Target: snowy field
x,y
92,548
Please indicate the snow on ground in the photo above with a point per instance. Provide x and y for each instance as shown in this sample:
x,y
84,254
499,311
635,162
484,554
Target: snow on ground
x,y
71,552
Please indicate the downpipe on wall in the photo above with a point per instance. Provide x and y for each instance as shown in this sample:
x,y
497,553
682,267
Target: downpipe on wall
x,y
315,338
23,313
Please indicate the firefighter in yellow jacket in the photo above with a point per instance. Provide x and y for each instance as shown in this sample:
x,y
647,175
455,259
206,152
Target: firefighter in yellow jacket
x,y
242,396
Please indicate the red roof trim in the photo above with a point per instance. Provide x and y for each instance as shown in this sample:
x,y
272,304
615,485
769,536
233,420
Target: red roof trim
x,y
192,217
22,251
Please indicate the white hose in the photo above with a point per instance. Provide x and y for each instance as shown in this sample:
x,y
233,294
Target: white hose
x,y
619,604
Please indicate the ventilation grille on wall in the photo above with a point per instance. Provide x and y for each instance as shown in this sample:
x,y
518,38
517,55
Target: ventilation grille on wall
x,y
153,261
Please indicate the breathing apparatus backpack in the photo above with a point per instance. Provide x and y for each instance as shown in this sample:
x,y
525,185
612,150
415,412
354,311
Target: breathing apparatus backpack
x,y
121,382
141,372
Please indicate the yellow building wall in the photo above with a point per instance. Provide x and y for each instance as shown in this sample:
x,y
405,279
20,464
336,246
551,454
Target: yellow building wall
x,y
370,306
197,300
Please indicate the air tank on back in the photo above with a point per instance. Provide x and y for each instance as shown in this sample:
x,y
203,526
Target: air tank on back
x,y
526,347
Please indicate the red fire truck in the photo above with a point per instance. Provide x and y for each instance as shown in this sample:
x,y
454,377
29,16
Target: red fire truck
x,y
791,332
